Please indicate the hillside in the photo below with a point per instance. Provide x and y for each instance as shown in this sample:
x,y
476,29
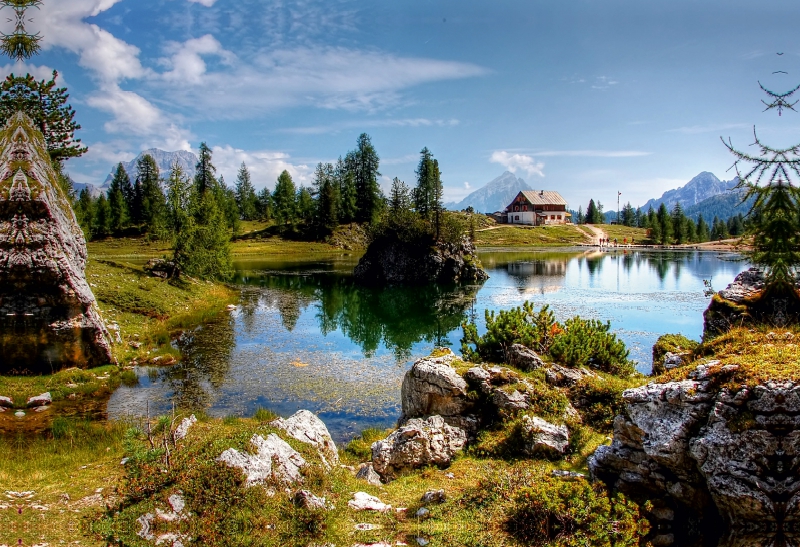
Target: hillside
x,y
494,196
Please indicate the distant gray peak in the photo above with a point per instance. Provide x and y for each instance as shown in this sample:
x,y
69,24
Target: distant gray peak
x,y
165,160
494,196
701,187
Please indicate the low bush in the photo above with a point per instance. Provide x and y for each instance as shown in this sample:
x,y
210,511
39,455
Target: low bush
x,y
599,400
673,343
587,342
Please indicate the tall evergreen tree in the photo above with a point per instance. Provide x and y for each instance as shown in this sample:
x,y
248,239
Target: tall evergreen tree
x,y
305,204
425,189
84,210
579,219
703,233
116,199
102,217
264,205
593,213
284,198
664,222
328,200
628,215
245,194
678,223
690,230
400,197
204,178
153,201
363,163
347,191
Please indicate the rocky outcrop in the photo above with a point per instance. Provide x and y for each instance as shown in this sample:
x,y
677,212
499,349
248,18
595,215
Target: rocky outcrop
x,y
273,460
306,427
48,316
433,387
708,449
749,300
523,358
542,438
416,444
390,261
561,376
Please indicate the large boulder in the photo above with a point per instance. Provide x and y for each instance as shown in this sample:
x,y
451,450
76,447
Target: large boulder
x,y
306,427
416,444
49,319
561,376
523,358
273,459
391,261
709,449
433,387
541,438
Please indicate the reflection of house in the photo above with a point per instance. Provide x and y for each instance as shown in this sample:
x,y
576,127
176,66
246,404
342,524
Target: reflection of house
x,y
538,268
538,208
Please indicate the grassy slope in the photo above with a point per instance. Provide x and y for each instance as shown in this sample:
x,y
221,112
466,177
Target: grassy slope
x,y
527,236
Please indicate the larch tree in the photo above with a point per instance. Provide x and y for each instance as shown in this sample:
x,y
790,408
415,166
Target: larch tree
x,y
363,163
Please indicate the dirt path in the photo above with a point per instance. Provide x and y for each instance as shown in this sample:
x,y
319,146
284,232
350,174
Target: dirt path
x,y
598,233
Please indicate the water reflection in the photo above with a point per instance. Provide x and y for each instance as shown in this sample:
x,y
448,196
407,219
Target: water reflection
x,y
305,336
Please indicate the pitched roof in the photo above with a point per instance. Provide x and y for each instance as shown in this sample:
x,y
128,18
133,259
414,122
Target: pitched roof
x,y
543,197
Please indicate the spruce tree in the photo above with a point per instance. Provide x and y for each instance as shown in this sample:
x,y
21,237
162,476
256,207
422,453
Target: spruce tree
x,y
284,198
773,218
579,217
245,194
678,224
204,178
328,200
423,193
347,191
363,162
703,233
153,201
305,204
664,222
264,205
628,215
400,198
102,217
116,199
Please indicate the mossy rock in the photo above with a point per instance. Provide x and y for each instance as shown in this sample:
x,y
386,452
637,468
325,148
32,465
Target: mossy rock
x,y
671,343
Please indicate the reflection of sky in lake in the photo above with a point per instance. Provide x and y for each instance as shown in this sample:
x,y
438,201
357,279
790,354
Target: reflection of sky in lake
x,y
304,336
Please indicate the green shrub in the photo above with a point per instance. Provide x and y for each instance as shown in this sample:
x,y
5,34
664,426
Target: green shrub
x,y
599,400
587,342
264,415
558,512
520,325
673,343
361,447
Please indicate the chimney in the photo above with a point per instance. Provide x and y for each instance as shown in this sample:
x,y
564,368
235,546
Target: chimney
x,y
541,193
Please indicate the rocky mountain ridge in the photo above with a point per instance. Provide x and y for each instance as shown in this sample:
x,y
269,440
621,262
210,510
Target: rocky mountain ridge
x,y
494,196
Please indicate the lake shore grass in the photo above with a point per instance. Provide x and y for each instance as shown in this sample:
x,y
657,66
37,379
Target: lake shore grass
x,y
530,236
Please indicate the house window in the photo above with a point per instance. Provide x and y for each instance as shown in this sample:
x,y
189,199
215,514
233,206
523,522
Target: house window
x,y
524,207
516,217
516,209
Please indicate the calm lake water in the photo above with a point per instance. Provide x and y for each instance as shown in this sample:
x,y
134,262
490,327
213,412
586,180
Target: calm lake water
x,y
305,336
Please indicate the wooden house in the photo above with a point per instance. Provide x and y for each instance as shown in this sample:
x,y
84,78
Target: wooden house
x,y
538,208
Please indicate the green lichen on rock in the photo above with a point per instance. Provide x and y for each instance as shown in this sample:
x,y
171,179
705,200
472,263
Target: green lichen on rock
x,y
673,348
48,316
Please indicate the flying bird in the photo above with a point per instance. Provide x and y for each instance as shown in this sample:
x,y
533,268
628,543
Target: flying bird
x,y
780,72
781,53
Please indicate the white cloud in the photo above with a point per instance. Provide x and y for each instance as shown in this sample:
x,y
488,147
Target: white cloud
x,y
264,166
187,65
134,115
467,185
206,3
363,124
326,77
695,129
518,162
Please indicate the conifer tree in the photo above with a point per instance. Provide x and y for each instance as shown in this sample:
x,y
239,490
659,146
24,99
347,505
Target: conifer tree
x,y
264,205
363,163
305,204
347,192
593,213
400,198
116,199
102,217
153,201
703,233
84,211
579,219
664,222
245,194
204,178
678,223
328,201
284,198
773,219
628,215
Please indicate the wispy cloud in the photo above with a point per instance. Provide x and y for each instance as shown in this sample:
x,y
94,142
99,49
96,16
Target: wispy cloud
x,y
518,162
714,128
593,153
604,82
206,3
357,124
264,165
408,158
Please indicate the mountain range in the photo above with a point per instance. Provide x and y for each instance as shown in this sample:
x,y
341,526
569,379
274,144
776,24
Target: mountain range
x,y
703,186
495,196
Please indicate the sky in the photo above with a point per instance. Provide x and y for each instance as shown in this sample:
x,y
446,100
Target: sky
x,y
585,97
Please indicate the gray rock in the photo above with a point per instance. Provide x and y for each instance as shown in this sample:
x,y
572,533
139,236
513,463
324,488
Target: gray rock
x,y
416,444
422,513
273,459
434,496
542,438
524,358
146,522
364,502
673,360
49,319
40,400
6,402
433,387
183,428
367,473
561,376
704,448
306,427
307,500
510,401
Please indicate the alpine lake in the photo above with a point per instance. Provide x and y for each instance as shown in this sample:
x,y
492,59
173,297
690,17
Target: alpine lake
x,y
304,335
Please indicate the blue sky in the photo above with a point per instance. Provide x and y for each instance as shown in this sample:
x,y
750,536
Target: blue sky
x,y
586,97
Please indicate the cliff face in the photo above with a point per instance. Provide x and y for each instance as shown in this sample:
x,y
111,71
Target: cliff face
x,y
48,316
392,262
704,449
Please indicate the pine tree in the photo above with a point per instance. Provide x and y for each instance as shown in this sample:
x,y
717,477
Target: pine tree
x,y
84,211
226,201
423,193
628,215
328,200
664,222
690,230
593,213
363,163
245,194
284,198
102,217
651,217
703,233
264,205
640,218
400,197
347,192
305,204
579,217
204,178
153,201
116,199
678,224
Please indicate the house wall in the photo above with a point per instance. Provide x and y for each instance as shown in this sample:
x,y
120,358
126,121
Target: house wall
x,y
521,217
